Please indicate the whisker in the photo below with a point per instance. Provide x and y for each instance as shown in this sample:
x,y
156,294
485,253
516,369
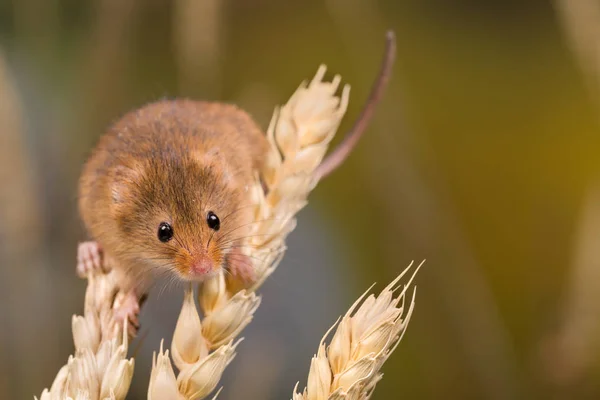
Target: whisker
x,y
243,237
244,257
180,243
288,259
227,271
247,224
237,210
251,247
211,236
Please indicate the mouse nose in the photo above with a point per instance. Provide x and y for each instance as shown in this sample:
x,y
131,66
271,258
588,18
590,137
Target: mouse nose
x,y
201,265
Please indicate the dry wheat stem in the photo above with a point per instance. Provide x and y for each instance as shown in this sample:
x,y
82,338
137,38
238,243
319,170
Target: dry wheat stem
x,y
299,135
99,370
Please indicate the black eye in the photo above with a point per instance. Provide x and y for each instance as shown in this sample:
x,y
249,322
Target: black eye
x,y
165,232
213,221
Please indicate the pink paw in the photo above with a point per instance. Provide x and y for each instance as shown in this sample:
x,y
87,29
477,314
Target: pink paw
x,y
127,307
240,265
89,258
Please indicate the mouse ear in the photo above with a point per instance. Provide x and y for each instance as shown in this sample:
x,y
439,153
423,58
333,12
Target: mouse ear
x,y
123,179
213,158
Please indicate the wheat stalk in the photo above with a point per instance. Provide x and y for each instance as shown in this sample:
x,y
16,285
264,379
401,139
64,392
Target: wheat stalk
x,y
364,339
99,369
299,135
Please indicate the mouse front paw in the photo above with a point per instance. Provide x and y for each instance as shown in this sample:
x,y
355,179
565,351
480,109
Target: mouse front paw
x,y
126,307
240,266
89,258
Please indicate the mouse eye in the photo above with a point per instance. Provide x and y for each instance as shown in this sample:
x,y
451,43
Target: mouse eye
x,y
165,232
213,221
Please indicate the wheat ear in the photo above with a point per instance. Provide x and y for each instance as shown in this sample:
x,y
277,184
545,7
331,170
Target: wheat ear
x,y
99,369
299,135
364,339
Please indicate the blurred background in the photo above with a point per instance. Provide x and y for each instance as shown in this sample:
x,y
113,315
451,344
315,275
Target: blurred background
x,y
482,158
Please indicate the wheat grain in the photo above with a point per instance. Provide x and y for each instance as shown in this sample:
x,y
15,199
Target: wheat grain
x,y
99,369
364,339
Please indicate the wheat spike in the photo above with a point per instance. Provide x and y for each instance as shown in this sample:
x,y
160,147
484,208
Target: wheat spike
x,y
349,368
99,370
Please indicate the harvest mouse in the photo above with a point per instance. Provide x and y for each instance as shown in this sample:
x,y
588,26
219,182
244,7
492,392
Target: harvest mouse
x,y
165,190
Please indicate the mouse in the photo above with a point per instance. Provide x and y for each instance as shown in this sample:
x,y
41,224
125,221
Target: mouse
x,y
166,191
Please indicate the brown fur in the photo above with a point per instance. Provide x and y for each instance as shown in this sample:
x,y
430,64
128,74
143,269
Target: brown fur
x,y
171,161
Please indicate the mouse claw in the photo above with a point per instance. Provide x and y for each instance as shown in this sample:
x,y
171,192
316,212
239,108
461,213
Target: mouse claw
x,y
89,258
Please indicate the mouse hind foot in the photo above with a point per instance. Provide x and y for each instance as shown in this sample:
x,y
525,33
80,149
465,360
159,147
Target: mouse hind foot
x,y
89,258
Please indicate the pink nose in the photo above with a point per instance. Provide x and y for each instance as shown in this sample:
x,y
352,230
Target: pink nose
x,y
202,265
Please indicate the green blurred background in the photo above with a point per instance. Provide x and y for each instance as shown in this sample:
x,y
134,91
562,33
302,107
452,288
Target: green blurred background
x,y
482,158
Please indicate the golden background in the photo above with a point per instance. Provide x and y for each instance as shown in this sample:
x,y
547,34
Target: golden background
x,y
482,158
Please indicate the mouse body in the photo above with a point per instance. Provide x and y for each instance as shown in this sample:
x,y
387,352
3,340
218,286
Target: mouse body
x,y
166,190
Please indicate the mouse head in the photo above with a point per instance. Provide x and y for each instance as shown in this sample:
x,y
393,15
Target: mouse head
x,y
180,215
